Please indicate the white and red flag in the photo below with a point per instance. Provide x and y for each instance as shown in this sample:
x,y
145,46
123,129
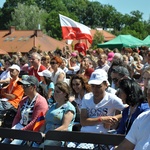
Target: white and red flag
x,y
74,30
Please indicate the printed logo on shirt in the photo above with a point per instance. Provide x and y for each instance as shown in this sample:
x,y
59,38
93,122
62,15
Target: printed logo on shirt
x,y
97,112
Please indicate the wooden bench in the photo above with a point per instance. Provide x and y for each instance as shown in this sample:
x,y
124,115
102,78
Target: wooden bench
x,y
19,134
82,137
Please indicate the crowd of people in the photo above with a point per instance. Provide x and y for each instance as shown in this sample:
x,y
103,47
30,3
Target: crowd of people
x,y
97,91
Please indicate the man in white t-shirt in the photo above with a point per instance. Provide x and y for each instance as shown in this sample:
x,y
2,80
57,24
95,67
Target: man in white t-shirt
x,y
99,107
138,138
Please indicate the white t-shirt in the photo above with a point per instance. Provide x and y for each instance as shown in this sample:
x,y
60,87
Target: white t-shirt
x,y
111,90
5,75
54,77
75,69
139,133
106,107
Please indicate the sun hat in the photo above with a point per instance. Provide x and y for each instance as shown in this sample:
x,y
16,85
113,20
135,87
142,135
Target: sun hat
x,y
29,80
45,73
14,66
98,76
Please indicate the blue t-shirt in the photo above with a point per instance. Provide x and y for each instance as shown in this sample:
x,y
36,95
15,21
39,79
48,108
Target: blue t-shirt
x,y
51,86
54,116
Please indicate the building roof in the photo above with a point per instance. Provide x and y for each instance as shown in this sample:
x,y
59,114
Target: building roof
x,y
107,36
24,40
2,52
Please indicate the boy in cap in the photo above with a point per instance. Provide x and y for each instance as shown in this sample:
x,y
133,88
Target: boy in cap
x,y
13,93
99,107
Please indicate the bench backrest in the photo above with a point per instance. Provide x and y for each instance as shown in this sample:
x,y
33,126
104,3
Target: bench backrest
x,y
82,137
19,134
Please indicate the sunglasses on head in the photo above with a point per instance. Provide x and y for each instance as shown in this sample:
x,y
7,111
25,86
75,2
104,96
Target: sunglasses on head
x,y
52,63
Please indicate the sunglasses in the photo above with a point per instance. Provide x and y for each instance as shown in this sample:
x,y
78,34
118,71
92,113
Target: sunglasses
x,y
26,86
52,63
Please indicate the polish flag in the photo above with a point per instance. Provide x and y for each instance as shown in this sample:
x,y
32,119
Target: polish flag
x,y
74,30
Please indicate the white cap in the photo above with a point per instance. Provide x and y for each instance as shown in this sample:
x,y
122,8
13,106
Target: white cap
x,y
98,76
45,73
14,66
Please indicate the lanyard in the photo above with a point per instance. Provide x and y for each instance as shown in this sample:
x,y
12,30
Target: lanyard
x,y
25,112
130,113
26,104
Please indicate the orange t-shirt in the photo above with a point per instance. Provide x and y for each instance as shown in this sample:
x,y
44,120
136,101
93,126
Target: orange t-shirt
x,y
17,90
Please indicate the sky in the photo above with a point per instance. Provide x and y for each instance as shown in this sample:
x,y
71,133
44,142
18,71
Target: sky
x,y
126,6
2,2
123,6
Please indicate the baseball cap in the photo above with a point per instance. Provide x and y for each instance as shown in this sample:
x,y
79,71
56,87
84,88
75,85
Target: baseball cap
x,y
29,80
121,70
45,73
110,56
98,76
14,66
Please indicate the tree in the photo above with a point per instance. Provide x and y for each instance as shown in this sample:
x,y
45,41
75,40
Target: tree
x,y
27,17
98,38
8,8
52,5
90,13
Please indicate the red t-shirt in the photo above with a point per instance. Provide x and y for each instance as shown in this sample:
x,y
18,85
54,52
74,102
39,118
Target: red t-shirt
x,y
34,72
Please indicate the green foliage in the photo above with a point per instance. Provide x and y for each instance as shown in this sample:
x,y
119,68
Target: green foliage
x,y
29,13
98,38
51,5
27,17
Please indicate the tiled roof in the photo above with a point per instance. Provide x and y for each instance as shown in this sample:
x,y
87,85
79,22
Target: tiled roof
x,y
22,40
107,36
2,52
13,40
